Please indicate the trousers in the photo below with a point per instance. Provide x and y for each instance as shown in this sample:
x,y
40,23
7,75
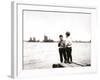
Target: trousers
x,y
62,54
69,54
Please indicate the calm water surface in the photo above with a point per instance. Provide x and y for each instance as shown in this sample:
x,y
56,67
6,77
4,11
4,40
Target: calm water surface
x,y
43,55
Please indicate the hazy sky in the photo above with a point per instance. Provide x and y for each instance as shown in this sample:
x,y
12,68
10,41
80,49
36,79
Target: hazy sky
x,y
37,24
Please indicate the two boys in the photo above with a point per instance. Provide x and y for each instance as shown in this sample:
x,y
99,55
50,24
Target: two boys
x,y
65,48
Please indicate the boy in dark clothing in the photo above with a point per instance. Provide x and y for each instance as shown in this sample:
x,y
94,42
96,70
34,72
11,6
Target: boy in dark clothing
x,y
61,46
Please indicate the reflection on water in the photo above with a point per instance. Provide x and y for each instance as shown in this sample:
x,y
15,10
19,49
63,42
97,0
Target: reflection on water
x,y
43,55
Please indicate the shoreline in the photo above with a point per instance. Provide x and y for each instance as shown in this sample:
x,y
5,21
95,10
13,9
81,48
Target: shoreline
x,y
57,42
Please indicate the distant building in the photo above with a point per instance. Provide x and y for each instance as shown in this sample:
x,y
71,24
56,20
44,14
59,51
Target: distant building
x,y
34,39
46,39
30,40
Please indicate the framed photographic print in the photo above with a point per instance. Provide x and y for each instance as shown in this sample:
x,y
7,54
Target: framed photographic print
x,y
50,40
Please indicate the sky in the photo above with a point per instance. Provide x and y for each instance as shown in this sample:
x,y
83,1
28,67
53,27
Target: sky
x,y
37,24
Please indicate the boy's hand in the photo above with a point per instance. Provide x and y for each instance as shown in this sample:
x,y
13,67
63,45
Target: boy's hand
x,y
58,44
68,44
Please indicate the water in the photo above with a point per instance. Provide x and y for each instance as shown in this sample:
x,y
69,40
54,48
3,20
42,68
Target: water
x,y
43,55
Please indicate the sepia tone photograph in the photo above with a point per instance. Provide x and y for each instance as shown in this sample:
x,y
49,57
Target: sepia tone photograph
x,y
56,39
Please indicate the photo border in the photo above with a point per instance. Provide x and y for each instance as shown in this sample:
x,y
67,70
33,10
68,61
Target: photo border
x,y
17,26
